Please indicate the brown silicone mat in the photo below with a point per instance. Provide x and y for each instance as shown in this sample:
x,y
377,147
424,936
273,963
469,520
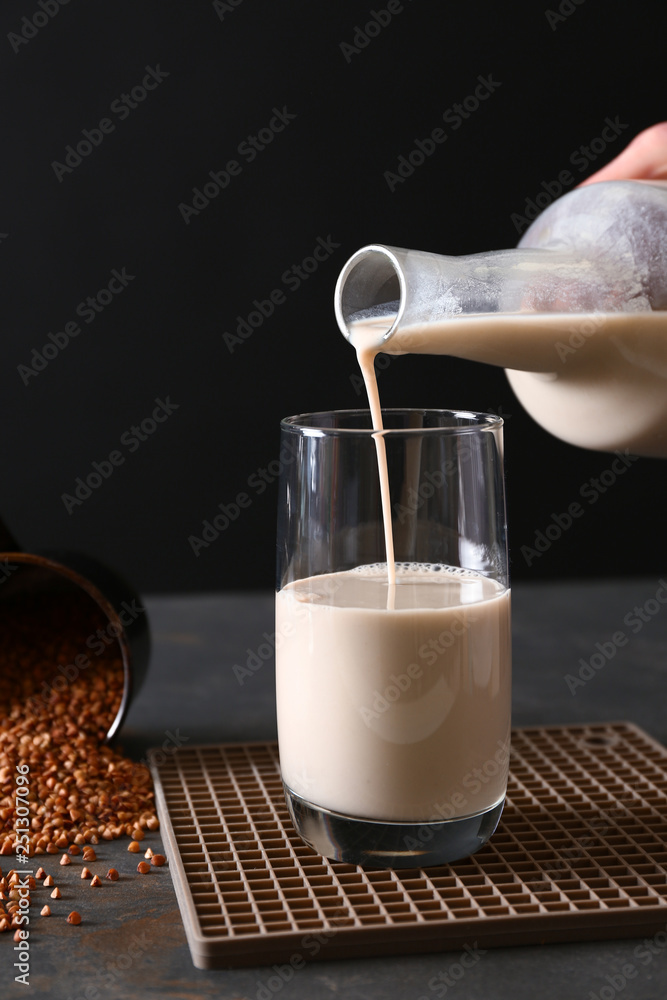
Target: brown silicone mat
x,y
580,853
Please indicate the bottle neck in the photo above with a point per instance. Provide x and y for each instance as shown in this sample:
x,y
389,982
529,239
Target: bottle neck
x,y
400,295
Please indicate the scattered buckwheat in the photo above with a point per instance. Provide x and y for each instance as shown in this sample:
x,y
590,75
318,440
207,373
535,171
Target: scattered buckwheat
x,y
80,789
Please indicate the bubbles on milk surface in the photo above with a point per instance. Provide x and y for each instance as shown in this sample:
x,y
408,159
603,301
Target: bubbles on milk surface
x,y
423,586
409,569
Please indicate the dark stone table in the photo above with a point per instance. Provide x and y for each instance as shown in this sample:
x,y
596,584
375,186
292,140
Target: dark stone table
x,y
131,943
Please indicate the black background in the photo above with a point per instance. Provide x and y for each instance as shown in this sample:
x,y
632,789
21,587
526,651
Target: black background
x,y
322,176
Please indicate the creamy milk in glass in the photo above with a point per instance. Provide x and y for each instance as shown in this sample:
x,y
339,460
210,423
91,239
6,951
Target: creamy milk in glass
x,y
393,684
395,714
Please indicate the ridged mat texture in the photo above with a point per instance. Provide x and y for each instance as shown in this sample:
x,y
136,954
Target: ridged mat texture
x,y
580,854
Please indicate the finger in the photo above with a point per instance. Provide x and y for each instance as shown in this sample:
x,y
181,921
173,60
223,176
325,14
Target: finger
x,y
644,159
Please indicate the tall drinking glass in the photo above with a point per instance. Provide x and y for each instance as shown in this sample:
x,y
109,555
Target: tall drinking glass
x,y
393,701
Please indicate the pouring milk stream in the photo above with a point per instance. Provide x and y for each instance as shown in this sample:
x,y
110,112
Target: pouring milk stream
x,y
577,315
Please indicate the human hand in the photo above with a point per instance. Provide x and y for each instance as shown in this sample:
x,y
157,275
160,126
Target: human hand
x,y
644,159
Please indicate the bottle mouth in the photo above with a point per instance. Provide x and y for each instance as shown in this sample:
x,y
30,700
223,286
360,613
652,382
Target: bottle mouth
x,y
370,289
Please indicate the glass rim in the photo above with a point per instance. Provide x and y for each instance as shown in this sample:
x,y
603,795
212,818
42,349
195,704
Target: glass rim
x,y
307,423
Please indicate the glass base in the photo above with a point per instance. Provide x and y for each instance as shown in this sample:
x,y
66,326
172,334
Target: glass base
x,y
389,845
